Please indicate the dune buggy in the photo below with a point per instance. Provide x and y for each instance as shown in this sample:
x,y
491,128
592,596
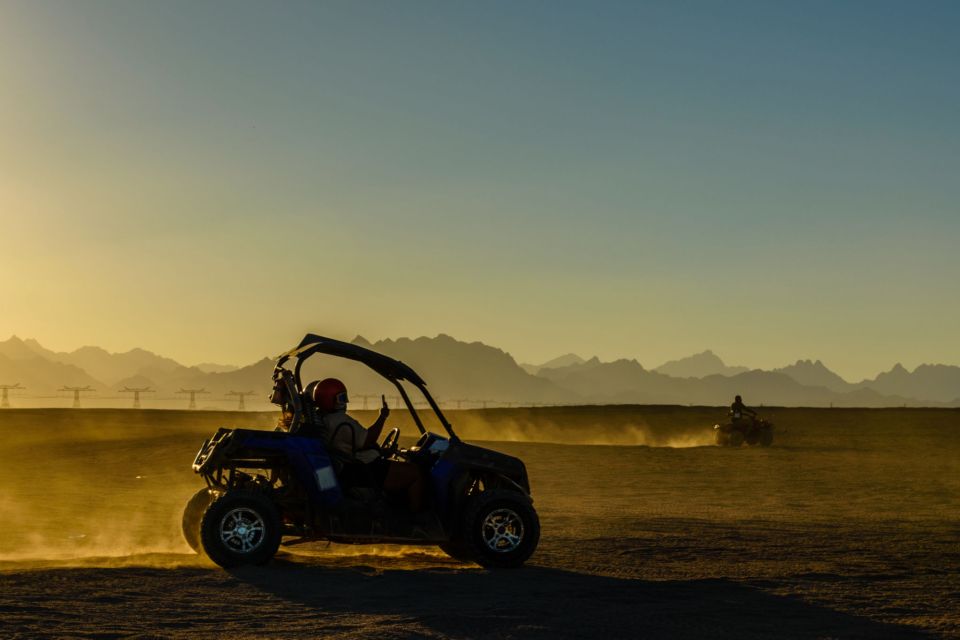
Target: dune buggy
x,y
271,487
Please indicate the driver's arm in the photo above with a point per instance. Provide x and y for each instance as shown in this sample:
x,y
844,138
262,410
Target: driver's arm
x,y
373,433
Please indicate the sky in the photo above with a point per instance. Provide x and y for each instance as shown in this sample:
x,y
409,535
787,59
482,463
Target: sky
x,y
211,180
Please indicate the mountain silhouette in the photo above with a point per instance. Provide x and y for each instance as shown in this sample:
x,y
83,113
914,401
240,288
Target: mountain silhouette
x,y
627,382
473,373
816,374
928,382
108,368
16,349
560,361
213,367
700,365
20,363
255,377
618,381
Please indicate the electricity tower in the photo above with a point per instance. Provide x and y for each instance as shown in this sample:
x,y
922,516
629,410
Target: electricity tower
x,y
4,400
193,396
76,393
136,391
242,394
459,402
366,398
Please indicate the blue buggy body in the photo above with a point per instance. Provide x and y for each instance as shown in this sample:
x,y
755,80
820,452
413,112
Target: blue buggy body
x,y
309,462
267,487
313,467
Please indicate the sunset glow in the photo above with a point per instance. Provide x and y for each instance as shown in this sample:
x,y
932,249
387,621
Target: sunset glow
x,y
632,181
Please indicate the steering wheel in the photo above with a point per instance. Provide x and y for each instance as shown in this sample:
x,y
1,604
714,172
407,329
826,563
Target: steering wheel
x,y
391,443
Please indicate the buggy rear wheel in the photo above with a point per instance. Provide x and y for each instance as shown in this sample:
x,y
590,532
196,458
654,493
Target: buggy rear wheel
x,y
192,515
240,527
501,529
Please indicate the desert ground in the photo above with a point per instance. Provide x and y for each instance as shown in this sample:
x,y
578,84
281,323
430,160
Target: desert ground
x,y
848,527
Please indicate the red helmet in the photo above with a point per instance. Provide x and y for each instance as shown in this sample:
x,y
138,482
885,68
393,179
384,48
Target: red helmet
x,y
330,395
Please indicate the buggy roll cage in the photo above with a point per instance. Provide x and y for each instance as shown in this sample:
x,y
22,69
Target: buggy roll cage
x,y
393,370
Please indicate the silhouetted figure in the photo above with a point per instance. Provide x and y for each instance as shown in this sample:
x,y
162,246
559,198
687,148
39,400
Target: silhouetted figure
x,y
738,410
353,441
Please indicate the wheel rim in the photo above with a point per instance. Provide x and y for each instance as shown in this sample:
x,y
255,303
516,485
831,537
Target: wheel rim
x,y
502,530
242,530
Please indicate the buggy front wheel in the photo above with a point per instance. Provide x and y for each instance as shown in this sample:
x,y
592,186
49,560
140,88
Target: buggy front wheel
x,y
501,529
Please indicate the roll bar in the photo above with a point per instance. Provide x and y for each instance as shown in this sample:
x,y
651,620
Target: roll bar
x,y
393,370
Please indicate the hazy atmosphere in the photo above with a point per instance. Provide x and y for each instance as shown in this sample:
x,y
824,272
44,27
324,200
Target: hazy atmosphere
x,y
772,181
479,320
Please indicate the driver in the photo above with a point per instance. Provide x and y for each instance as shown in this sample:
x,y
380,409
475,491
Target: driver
x,y
343,434
738,410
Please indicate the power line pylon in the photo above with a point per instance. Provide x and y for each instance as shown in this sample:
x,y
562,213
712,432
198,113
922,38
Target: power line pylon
x,y
4,400
193,396
242,394
136,391
76,393
459,402
366,399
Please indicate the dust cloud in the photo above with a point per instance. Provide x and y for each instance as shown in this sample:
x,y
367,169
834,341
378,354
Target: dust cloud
x,y
97,484
109,485
112,484
632,434
850,509
593,425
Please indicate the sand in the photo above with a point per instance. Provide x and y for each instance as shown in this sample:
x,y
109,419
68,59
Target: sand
x,y
846,527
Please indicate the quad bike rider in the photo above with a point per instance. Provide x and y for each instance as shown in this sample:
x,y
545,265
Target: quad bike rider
x,y
304,482
744,426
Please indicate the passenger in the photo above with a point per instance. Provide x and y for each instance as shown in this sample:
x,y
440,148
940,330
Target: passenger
x,y
738,409
345,435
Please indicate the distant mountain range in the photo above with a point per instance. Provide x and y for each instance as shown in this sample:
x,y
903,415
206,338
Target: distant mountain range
x,y
816,374
928,382
474,374
561,361
700,365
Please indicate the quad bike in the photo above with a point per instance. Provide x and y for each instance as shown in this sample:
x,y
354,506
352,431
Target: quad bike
x,y
271,487
753,431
